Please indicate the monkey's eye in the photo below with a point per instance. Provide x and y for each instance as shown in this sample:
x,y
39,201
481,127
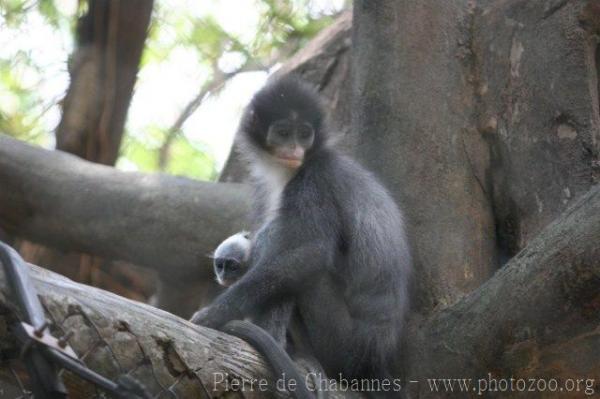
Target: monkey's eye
x,y
282,131
305,132
279,133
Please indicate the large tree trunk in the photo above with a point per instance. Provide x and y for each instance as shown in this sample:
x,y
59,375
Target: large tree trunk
x,y
482,118
475,125
535,71
411,115
536,317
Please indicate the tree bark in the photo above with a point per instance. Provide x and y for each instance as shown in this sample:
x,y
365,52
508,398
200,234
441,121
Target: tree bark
x,y
168,224
103,70
482,119
536,317
479,130
534,72
411,113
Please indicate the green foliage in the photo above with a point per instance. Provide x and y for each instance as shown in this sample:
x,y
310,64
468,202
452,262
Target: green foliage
x,y
191,160
26,109
278,23
141,152
267,29
13,12
285,20
48,9
17,102
207,37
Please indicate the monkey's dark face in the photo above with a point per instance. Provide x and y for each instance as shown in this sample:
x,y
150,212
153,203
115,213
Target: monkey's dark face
x,y
288,140
228,270
285,121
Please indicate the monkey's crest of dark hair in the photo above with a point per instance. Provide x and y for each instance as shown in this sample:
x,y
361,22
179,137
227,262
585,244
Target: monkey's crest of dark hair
x,y
281,99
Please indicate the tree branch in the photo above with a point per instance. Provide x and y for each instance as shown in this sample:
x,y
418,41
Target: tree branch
x,y
160,349
166,223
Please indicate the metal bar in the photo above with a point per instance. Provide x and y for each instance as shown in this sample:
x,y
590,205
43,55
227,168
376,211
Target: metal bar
x,y
41,351
45,381
82,371
20,282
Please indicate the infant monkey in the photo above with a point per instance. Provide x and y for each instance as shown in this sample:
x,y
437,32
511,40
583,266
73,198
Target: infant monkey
x,y
230,263
231,257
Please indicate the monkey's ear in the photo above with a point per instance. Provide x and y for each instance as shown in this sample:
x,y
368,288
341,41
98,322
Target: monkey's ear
x,y
210,255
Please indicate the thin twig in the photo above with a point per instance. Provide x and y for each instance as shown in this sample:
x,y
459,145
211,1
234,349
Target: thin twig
x,y
209,88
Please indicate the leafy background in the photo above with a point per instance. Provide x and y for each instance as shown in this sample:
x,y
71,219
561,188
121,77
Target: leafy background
x,y
229,46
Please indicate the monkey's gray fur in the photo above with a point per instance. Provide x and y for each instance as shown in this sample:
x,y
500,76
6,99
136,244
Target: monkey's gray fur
x,y
337,246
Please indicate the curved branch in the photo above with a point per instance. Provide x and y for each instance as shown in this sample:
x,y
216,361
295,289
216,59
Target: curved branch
x,y
166,223
530,317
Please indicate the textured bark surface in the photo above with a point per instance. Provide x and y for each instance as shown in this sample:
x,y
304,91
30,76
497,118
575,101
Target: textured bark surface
x,y
535,76
536,317
412,113
103,70
483,121
168,224
113,336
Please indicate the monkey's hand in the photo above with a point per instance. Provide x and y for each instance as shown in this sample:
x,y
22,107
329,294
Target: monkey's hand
x,y
201,317
215,316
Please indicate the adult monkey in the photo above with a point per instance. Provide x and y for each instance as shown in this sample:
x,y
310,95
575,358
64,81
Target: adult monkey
x,y
336,246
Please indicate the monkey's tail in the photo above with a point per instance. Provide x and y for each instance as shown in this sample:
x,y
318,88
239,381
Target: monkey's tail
x,y
279,360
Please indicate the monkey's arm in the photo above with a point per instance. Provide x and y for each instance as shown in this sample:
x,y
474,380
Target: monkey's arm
x,y
270,281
